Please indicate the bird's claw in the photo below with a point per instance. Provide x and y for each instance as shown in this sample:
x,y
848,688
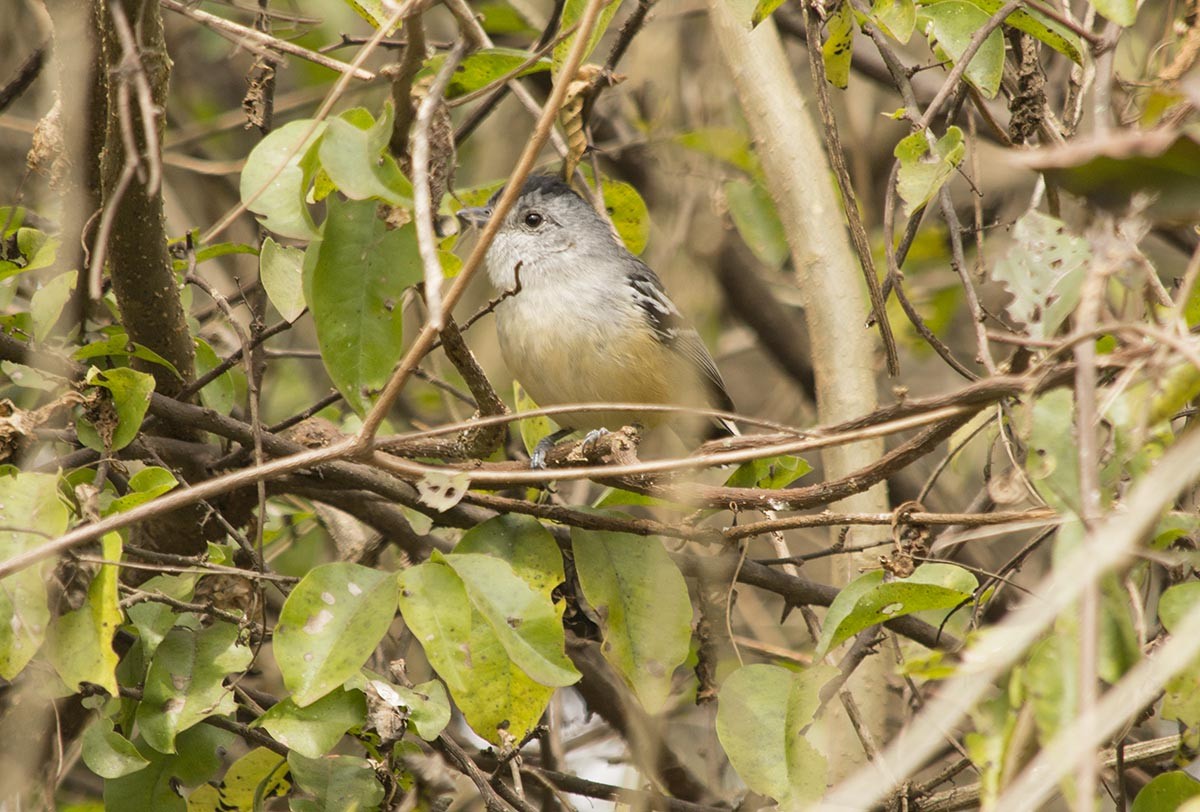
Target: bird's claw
x,y
591,438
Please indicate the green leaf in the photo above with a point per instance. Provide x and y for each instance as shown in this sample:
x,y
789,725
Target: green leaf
x,y
152,619
1121,12
896,18
118,345
572,13
922,174
952,23
763,10
336,783
157,786
643,605
768,472
376,12
1043,271
184,684
280,271
353,154
838,48
533,429
482,68
109,754
256,776
329,625
1054,34
1167,791
502,18
524,543
754,215
629,214
11,218
130,391
47,303
39,249
867,600
360,271
492,692
761,711
80,644
277,175
729,146
31,514
525,622
316,729
219,393
1052,462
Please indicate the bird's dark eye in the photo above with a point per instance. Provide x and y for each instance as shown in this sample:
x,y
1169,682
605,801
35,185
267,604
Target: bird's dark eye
x,y
533,219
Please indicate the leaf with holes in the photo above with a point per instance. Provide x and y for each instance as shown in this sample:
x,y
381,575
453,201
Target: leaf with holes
x,y
1043,270
643,605
867,600
442,490
130,392
329,625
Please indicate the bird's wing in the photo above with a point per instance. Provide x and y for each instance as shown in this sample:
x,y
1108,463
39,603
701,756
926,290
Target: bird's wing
x,y
671,329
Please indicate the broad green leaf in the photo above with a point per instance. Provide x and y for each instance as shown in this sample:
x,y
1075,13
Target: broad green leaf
x,y
109,754
572,13
353,154
532,429
80,641
838,48
768,472
184,684
761,710
1043,271
492,692
279,268
336,783
896,18
118,345
524,621
754,215
26,377
30,514
157,786
329,625
130,391
47,303
1176,602
923,173
256,776
990,745
39,249
524,543
952,23
316,729
1041,28
1121,12
1166,792
643,605
376,12
218,394
502,18
360,271
1050,679
277,175
729,146
11,218
482,68
867,600
1181,701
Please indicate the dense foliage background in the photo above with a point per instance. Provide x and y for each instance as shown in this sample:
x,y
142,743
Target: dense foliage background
x,y
268,533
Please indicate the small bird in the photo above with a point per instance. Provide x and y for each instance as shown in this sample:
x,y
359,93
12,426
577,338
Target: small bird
x,y
589,322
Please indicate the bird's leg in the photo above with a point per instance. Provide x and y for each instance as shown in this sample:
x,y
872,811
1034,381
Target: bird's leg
x,y
537,460
591,438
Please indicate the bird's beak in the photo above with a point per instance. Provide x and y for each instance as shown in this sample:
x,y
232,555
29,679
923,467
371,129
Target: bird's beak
x,y
476,216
